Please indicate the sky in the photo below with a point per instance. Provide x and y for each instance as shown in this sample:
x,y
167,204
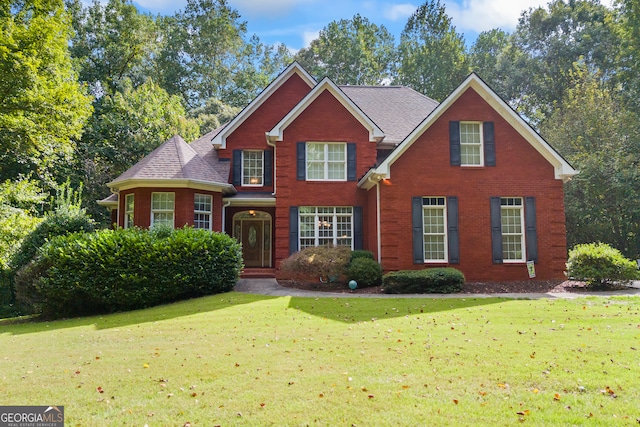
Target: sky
x,y
296,22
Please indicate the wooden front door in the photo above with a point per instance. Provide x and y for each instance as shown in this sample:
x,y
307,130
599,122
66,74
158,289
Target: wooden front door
x,y
252,243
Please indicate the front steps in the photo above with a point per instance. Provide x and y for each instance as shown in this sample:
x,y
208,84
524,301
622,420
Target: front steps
x,y
258,273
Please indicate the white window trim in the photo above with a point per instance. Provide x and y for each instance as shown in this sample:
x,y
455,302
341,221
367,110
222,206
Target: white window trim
x,y
316,233
173,213
481,144
127,212
209,212
522,233
446,237
261,184
326,161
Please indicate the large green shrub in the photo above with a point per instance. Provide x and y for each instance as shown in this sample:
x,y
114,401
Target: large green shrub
x,y
600,266
365,271
361,253
431,280
319,263
116,270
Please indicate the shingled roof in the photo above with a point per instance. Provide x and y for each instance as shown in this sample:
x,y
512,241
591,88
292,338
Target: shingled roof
x,y
397,110
173,160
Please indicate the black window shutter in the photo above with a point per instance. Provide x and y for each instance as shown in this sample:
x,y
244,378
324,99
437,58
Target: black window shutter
x,y
301,161
357,228
268,168
496,231
237,167
489,144
454,143
453,238
416,222
531,235
351,162
293,229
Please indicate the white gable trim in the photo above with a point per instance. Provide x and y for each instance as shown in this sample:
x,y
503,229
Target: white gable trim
x,y
220,140
277,133
563,170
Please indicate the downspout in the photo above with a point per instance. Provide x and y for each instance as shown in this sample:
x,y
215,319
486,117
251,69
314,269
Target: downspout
x,y
273,144
224,215
378,232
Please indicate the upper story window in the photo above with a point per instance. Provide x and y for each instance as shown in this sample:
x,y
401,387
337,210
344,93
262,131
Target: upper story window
x,y
512,226
471,144
326,161
162,209
128,210
202,204
252,168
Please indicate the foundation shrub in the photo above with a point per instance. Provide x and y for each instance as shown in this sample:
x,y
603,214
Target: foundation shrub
x,y
600,266
366,272
431,280
321,263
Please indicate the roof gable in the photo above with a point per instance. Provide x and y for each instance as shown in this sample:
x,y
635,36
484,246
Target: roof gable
x,y
220,139
375,133
562,169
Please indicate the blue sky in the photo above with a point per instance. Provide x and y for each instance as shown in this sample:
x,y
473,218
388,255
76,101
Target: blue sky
x,y
296,22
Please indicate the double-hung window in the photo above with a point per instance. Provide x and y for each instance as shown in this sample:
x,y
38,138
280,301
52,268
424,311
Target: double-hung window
x,y
434,229
321,226
252,168
162,209
326,161
202,211
128,210
512,224
471,150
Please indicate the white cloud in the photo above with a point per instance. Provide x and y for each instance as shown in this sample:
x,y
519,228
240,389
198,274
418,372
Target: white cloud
x,y
399,11
272,8
308,37
483,15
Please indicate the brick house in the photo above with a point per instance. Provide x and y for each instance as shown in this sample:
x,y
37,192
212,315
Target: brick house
x,y
465,183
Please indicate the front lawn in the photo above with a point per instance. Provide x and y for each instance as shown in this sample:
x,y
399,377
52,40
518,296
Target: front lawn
x,y
239,359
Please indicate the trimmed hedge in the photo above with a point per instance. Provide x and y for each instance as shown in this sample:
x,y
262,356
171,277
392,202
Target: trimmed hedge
x,y
600,266
431,280
365,271
361,253
118,270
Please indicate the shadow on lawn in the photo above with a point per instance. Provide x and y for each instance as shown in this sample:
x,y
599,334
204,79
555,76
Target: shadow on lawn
x,y
117,320
351,310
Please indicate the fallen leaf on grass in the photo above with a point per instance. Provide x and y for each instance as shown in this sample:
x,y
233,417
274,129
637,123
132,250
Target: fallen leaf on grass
x,y
525,412
556,397
99,390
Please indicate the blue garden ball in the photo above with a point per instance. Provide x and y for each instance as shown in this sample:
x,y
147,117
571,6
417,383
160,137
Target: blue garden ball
x,y
353,284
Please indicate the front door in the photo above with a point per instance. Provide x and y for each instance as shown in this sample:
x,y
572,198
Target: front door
x,y
252,236
253,229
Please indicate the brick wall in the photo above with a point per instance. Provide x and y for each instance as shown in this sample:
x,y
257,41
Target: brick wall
x,y
520,171
325,120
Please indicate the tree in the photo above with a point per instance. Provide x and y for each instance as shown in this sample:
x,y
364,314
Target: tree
x,y
213,114
546,44
42,106
127,126
601,138
352,51
432,54
112,42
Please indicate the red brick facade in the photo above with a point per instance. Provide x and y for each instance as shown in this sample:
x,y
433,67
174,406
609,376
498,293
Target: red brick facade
x,y
419,167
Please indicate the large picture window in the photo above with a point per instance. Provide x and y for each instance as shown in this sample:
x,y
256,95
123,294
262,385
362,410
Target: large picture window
x,y
325,226
512,224
128,210
252,168
471,152
434,229
162,209
326,161
202,204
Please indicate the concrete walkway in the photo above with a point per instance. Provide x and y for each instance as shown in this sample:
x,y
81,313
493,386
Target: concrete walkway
x,y
272,288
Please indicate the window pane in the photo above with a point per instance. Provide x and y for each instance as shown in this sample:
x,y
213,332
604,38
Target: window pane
x,y
319,226
162,201
470,144
434,229
511,215
252,167
326,161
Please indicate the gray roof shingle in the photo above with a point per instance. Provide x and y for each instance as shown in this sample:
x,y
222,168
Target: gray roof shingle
x,y
397,110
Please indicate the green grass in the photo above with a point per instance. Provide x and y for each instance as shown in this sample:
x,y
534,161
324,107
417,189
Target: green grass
x,y
238,359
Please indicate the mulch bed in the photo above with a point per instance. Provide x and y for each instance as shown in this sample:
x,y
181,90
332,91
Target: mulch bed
x,y
529,286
